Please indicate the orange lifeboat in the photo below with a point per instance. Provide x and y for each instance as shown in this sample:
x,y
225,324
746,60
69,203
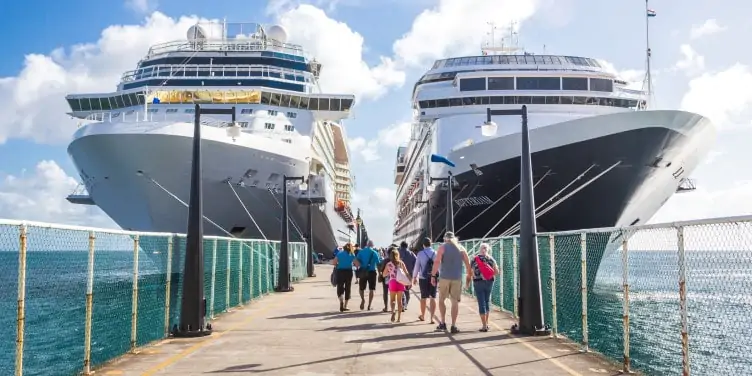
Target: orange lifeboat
x,y
340,206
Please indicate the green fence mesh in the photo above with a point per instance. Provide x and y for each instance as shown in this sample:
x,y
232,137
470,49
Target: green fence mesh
x,y
134,284
688,292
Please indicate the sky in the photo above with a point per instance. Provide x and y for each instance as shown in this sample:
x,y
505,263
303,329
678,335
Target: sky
x,y
376,50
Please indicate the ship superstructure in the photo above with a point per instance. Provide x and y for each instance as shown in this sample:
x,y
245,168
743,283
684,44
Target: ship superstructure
x,y
132,148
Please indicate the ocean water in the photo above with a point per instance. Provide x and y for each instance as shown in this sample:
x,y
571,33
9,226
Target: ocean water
x,y
719,299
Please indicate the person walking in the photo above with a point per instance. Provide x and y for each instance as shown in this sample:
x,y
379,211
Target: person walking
x,y
368,261
422,278
408,257
447,269
393,268
343,265
484,271
384,280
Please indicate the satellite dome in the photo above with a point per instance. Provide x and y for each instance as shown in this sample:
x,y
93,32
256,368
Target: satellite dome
x,y
196,33
277,33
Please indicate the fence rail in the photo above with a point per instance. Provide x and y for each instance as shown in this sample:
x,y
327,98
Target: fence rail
x,y
657,298
83,296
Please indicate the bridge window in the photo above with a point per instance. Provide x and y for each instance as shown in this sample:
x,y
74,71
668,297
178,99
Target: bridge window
x,y
574,83
473,84
601,84
538,83
519,100
501,83
276,99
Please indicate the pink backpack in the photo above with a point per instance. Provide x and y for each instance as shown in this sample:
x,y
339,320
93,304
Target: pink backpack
x,y
486,271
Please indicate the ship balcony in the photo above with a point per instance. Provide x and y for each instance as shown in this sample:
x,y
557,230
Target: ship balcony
x,y
80,196
399,174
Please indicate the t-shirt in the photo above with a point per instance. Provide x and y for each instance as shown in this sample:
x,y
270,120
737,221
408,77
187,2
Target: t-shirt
x,y
366,256
345,260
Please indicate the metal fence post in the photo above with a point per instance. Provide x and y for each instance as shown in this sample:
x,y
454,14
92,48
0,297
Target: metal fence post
x,y
168,282
515,276
625,283
213,279
683,300
134,304
554,313
240,274
501,273
583,268
21,313
250,271
89,304
227,278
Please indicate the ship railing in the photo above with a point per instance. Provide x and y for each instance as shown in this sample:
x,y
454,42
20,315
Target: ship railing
x,y
207,71
657,297
88,295
141,117
225,45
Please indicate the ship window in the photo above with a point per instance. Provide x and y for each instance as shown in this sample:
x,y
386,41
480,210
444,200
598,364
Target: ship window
x,y
265,97
601,84
500,83
334,104
442,103
118,102
284,100
268,125
292,115
454,102
538,83
552,100
323,104
539,100
497,100
95,105
246,111
140,98
74,104
538,59
275,99
469,101
579,100
346,104
565,100
303,103
473,84
289,128
524,100
483,100
294,101
153,110
190,110
574,83
127,100
313,104
172,110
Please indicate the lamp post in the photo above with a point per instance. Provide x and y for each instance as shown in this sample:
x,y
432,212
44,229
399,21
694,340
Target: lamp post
x,y
283,281
449,198
193,303
359,222
428,206
530,298
309,238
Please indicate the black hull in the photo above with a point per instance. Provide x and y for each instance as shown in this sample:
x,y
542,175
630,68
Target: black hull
x,y
599,204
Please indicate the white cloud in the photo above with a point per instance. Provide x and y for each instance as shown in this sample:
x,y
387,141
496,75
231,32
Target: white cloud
x,y
455,28
340,50
377,209
703,203
709,27
389,138
691,62
367,149
40,196
141,6
633,77
721,96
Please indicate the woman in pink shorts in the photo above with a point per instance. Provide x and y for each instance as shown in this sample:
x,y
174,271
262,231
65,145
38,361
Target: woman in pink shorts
x,y
396,289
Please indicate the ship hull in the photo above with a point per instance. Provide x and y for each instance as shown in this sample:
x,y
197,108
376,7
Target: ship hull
x,y
619,175
138,174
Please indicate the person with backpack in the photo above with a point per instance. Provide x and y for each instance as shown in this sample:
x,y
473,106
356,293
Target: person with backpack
x,y
485,269
422,278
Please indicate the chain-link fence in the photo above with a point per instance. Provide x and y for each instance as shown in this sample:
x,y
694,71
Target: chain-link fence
x,y
80,297
657,298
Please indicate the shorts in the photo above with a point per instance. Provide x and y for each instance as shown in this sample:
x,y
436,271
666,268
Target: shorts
x,y
427,290
450,288
369,280
395,286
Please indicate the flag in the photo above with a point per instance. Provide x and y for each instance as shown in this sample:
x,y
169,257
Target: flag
x,y
651,13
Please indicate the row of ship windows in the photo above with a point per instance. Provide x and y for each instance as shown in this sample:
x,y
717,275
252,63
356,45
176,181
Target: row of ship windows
x,y
537,83
517,59
177,81
219,97
214,71
244,111
472,101
286,61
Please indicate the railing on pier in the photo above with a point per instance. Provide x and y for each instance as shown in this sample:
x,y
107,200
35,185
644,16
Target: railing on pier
x,y
80,297
656,298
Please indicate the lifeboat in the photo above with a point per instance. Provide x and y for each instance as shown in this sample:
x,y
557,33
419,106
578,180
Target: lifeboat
x,y
340,206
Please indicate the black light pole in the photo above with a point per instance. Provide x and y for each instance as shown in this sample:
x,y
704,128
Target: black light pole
x,y
358,222
193,303
283,281
309,238
530,299
450,201
430,225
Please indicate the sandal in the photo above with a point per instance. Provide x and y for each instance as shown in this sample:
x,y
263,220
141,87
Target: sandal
x,y
454,330
394,314
420,318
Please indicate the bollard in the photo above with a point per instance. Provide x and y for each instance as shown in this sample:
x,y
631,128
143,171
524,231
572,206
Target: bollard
x,y
583,268
89,305
168,282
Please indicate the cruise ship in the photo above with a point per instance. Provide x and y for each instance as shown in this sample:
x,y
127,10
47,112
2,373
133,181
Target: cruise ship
x,y
133,146
600,156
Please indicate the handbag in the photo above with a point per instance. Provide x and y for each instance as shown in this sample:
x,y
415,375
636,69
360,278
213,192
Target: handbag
x,y
363,272
486,271
402,278
333,278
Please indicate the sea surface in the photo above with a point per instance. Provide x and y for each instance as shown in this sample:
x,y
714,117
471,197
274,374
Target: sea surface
x,y
719,299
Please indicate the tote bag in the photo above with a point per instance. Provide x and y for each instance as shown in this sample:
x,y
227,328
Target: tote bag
x,y
402,278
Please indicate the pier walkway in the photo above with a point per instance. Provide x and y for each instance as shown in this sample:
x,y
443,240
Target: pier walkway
x,y
303,333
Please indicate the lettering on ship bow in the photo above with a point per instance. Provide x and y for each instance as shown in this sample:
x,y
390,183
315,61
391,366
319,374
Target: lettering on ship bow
x,y
473,201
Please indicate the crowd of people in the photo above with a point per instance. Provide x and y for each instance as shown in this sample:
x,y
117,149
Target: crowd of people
x,y
399,270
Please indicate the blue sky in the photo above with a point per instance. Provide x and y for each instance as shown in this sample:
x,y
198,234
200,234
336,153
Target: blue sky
x,y
375,49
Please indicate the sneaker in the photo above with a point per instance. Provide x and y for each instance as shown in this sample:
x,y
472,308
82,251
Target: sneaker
x,y
454,329
483,329
441,327
362,304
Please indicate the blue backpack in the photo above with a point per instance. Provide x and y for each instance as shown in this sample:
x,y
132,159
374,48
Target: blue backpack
x,y
429,266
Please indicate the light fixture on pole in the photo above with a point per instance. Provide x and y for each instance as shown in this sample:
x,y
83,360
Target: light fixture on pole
x,y
309,236
359,223
530,300
193,303
283,281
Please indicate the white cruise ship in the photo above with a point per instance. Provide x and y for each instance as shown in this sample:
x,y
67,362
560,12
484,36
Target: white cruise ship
x,y
600,158
133,146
